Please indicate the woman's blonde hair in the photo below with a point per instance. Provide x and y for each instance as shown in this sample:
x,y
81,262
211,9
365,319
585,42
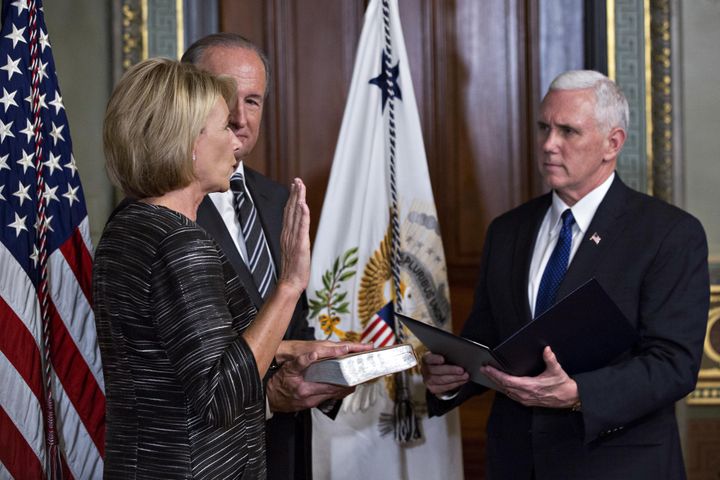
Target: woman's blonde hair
x,y
153,118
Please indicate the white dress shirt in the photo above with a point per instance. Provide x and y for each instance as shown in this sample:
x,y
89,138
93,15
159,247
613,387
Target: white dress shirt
x,y
583,212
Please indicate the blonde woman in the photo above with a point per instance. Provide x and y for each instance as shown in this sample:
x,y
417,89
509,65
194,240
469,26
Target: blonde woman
x,y
183,349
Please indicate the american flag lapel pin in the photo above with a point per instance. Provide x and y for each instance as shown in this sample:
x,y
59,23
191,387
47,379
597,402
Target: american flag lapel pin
x,y
595,238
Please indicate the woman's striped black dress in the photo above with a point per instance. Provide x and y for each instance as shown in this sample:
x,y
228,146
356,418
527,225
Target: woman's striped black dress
x,y
184,397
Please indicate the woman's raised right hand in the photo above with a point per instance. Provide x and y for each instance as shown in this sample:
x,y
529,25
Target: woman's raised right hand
x,y
295,239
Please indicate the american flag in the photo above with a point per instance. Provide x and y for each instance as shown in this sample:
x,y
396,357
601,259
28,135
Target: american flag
x,y
380,329
46,319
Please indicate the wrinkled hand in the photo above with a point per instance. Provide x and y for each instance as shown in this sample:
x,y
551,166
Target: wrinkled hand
x,y
441,377
291,349
295,239
287,390
552,389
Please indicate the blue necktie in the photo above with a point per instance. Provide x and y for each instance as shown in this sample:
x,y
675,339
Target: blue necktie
x,y
556,266
259,261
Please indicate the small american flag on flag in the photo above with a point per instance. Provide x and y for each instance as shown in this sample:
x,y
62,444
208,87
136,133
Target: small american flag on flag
x,y
380,329
52,401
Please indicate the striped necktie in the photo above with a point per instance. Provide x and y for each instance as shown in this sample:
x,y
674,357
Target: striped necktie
x,y
258,253
556,266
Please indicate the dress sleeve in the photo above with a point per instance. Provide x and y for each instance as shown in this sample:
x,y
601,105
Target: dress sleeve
x,y
213,362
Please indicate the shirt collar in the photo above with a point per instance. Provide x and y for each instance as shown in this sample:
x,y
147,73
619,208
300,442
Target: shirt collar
x,y
585,208
240,168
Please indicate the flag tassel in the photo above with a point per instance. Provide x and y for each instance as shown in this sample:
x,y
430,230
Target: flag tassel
x,y
405,421
54,468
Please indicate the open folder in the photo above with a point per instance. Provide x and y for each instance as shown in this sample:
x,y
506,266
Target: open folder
x,y
586,330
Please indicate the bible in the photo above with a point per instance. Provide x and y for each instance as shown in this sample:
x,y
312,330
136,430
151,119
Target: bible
x,y
360,367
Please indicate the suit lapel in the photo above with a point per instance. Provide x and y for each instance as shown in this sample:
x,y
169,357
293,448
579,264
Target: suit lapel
x,y
605,228
209,218
526,236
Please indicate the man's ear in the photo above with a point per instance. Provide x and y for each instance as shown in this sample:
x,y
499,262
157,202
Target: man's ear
x,y
615,142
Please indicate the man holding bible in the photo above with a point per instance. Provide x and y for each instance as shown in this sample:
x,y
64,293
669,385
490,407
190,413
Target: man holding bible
x,y
245,221
617,421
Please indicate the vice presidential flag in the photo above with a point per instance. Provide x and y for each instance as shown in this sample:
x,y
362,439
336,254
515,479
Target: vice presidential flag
x,y
379,250
52,402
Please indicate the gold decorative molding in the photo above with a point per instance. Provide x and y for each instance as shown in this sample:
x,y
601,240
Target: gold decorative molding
x,y
144,28
610,20
707,391
148,28
661,101
133,28
180,28
648,97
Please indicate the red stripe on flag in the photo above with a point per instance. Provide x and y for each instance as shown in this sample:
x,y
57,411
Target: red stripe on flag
x,y
378,334
78,381
370,328
77,256
388,341
15,453
19,346
67,474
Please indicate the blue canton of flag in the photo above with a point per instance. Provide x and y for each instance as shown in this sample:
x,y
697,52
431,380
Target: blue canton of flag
x,y
63,193
380,330
51,420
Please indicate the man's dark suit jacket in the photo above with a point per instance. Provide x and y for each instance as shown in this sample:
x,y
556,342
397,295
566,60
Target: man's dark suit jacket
x,y
288,434
652,260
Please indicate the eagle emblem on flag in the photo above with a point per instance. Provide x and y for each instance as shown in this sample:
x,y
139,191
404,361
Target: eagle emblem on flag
x,y
423,296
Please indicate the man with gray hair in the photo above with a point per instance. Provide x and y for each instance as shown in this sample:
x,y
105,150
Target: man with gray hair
x,y
617,421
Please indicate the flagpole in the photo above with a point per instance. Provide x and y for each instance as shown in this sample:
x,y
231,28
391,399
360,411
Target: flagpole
x,y
405,422
53,463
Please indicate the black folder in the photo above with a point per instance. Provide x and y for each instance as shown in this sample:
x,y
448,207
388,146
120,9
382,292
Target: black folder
x,y
586,330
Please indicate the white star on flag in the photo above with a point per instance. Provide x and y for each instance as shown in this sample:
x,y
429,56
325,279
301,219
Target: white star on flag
x,y
22,193
3,162
18,224
20,5
43,41
57,102
29,131
52,163
41,70
71,194
41,99
11,67
71,165
16,36
5,130
57,133
34,256
47,221
8,99
26,161
2,187
49,193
